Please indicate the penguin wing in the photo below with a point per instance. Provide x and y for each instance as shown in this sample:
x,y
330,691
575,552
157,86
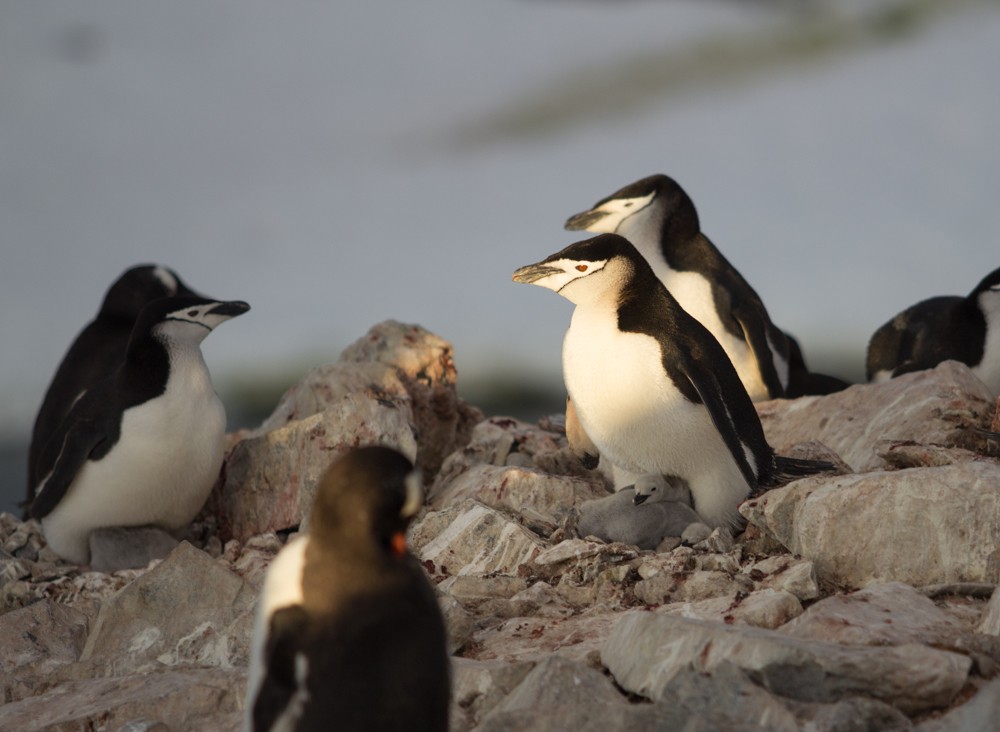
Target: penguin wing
x,y
66,454
285,670
709,389
756,332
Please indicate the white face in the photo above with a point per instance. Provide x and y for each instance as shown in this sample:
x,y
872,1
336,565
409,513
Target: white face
x,y
192,323
616,211
556,275
989,302
653,487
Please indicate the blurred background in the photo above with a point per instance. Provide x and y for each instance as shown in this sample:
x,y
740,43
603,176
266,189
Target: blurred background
x,y
337,164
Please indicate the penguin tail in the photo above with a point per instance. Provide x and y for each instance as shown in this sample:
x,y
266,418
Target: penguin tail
x,y
787,469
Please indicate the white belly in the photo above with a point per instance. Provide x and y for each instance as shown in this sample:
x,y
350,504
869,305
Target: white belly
x,y
694,293
639,421
160,472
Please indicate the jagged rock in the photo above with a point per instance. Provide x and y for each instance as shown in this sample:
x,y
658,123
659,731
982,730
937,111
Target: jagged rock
x,y
646,649
920,526
989,623
190,609
927,407
545,500
478,686
36,640
394,383
666,588
763,608
478,540
797,576
181,699
856,714
884,614
979,713
720,698
579,637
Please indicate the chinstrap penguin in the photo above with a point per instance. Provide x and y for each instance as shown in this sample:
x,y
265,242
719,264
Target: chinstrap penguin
x,y
659,218
98,349
144,445
348,632
651,386
965,329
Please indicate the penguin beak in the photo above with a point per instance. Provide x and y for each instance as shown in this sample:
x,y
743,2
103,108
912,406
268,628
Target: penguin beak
x,y
584,220
229,309
638,499
534,272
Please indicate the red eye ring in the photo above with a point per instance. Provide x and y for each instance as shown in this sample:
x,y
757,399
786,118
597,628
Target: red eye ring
x,y
581,268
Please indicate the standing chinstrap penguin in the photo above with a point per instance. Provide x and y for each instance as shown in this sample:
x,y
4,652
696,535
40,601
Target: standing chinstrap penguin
x,y
98,349
651,386
143,446
659,218
965,329
349,634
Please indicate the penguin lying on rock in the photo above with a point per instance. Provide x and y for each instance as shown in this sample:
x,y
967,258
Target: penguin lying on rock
x,y
652,388
348,632
143,446
98,350
965,329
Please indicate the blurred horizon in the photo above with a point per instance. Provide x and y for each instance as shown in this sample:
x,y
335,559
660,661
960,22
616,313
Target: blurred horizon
x,y
339,166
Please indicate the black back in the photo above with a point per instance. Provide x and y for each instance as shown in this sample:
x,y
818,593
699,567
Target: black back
x,y
369,624
93,425
925,334
95,353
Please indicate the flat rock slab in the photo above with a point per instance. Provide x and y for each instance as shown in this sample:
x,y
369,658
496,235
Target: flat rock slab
x,y
883,614
180,699
645,650
927,407
921,526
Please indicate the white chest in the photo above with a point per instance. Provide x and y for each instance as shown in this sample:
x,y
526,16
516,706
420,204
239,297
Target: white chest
x,y
988,369
160,471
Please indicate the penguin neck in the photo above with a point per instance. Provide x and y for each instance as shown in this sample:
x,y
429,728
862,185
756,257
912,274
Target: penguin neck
x,y
346,561
671,241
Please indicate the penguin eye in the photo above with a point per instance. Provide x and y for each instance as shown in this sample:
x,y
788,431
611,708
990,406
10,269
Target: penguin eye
x,y
192,313
581,268
629,204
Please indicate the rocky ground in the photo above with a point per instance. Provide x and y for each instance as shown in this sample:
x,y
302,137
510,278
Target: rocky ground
x,y
862,600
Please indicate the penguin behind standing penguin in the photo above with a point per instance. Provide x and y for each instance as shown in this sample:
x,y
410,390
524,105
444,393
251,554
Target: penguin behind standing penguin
x,y
98,349
651,386
660,220
965,329
348,633
145,445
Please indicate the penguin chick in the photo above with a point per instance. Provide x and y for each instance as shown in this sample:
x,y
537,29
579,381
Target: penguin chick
x,y
656,489
965,329
652,387
348,632
659,218
98,350
627,517
145,445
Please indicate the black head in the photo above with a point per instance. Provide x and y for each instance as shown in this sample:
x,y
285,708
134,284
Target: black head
x,y
369,493
140,285
989,282
656,195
